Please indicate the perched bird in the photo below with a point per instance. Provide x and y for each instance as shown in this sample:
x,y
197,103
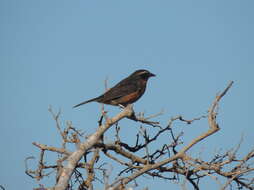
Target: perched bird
x,y
125,92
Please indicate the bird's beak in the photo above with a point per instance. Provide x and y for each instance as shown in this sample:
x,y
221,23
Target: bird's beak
x,y
152,75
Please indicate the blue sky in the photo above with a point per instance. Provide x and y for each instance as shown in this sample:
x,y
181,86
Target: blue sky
x,y
59,53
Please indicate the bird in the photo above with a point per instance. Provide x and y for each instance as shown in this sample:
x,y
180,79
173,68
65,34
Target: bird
x,y
127,91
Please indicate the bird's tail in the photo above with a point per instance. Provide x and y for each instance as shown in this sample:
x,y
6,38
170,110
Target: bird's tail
x,y
85,102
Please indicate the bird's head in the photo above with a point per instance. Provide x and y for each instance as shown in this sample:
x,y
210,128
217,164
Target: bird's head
x,y
142,73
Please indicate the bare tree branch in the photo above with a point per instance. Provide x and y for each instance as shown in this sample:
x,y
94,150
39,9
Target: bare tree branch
x,y
74,158
82,168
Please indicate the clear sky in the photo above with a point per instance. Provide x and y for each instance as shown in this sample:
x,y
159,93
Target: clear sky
x,y
58,52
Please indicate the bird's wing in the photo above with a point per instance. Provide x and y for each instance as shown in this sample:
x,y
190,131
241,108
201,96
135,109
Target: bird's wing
x,y
121,89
